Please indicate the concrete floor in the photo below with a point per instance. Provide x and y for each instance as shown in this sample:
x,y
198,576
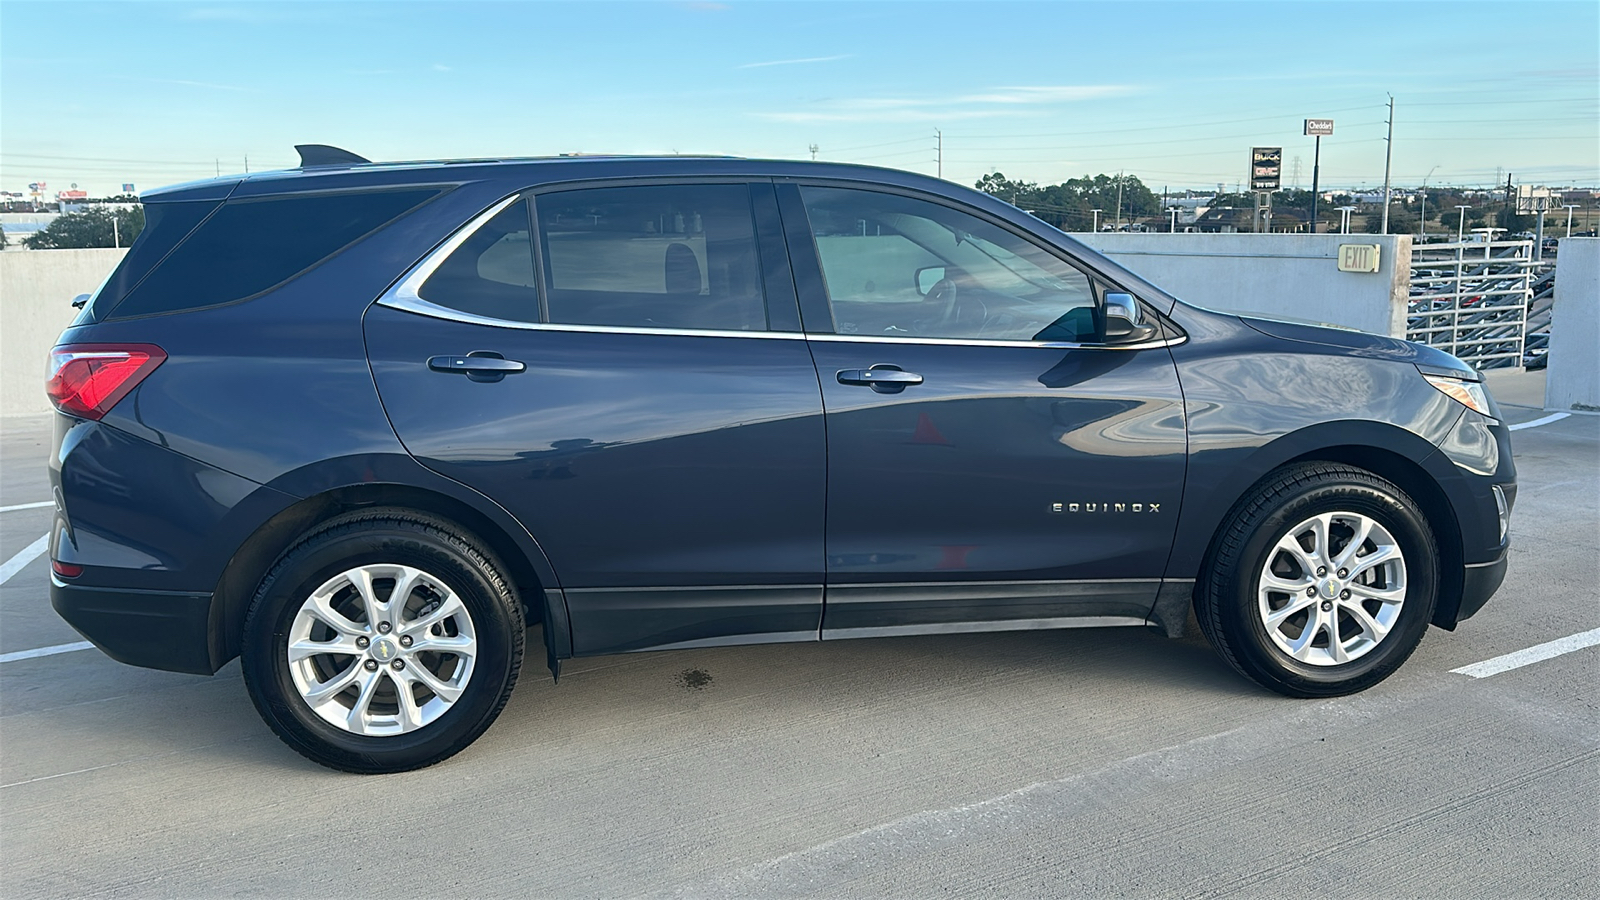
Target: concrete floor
x,y
1076,763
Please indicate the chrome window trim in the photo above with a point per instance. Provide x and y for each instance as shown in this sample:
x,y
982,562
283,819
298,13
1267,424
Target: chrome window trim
x,y
975,342
407,287
423,307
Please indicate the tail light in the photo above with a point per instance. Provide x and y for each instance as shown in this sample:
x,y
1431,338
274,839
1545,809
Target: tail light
x,y
86,380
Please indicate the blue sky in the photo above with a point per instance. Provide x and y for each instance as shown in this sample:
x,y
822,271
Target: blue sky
x,y
1175,93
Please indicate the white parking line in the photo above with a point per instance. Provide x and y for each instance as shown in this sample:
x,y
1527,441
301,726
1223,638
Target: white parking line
x,y
21,506
1553,417
1538,653
29,553
44,651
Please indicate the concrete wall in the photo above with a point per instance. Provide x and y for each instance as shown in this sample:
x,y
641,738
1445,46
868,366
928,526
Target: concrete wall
x,y
36,291
1276,275
1573,379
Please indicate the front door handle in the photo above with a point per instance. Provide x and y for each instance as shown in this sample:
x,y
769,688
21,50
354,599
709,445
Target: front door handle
x,y
479,365
883,378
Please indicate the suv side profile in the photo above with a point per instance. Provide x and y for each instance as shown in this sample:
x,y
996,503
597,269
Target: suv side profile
x,y
366,425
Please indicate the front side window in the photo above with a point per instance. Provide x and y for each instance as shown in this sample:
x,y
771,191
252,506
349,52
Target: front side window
x,y
656,256
896,266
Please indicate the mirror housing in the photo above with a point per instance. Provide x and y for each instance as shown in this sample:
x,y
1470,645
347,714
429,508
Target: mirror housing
x,y
1125,322
927,277
79,301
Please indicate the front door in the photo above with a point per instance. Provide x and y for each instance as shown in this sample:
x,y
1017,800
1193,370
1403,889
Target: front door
x,y
611,365
992,463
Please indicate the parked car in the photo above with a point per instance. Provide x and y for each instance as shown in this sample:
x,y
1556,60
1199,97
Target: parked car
x,y
366,425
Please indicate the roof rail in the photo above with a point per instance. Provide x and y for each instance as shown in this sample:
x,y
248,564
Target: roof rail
x,y
317,155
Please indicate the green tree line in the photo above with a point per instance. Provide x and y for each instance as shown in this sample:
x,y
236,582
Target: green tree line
x,y
89,228
1070,205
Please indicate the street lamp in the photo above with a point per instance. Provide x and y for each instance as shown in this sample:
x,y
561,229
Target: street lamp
x,y
1461,229
1097,212
1174,211
1344,219
1569,207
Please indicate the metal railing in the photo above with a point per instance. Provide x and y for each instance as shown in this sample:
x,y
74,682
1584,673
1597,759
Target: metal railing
x,y
1471,299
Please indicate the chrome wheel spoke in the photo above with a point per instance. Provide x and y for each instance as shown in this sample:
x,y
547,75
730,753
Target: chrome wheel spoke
x,y
1362,531
459,645
1383,595
1291,545
361,580
343,645
320,606
1277,617
1380,555
1374,630
445,691
357,717
331,688
1273,582
450,607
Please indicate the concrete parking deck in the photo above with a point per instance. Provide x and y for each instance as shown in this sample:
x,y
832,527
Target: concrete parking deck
x,y
1099,762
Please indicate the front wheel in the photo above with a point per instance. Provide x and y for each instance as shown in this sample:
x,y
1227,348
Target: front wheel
x,y
1321,582
384,641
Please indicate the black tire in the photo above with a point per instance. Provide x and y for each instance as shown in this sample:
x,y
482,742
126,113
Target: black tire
x,y
385,537
1226,595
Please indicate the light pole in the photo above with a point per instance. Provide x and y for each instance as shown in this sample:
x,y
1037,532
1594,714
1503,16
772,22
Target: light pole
x,y
1317,127
1344,220
1461,229
1174,211
1096,226
1422,220
1569,207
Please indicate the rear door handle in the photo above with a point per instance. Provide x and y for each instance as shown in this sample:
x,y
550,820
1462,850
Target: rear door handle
x,y
883,378
479,365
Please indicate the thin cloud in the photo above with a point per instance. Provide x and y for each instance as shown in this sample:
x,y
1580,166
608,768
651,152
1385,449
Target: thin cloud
x,y
793,62
999,101
440,67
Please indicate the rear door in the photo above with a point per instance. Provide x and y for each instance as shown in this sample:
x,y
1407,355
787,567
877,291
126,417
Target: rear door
x,y
620,366
993,463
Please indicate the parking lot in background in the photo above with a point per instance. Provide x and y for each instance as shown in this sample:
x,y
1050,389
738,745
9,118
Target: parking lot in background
x,y
1109,762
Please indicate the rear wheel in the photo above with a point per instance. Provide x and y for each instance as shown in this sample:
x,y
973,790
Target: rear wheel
x,y
382,642
1321,582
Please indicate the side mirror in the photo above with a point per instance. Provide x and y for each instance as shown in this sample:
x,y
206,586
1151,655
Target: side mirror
x,y
927,277
1125,321
79,301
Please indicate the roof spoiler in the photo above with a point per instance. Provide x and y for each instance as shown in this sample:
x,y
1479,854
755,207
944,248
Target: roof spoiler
x,y
318,155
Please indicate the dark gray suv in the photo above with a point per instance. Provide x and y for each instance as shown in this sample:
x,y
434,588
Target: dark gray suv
x,y
365,425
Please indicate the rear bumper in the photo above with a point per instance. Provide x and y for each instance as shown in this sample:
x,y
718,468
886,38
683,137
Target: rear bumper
x,y
1479,582
155,629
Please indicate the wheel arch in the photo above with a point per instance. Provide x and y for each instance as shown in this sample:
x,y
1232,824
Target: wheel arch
x,y
518,555
1388,451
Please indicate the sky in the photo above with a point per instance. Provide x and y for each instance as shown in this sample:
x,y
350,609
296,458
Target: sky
x,y
1176,93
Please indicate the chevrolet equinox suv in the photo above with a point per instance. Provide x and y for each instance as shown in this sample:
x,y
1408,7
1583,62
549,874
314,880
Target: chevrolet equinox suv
x,y
364,425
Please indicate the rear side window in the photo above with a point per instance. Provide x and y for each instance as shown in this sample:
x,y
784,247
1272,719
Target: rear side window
x,y
491,273
165,224
658,256
250,246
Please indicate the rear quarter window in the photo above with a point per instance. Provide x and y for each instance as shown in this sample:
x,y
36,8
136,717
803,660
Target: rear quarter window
x,y
251,246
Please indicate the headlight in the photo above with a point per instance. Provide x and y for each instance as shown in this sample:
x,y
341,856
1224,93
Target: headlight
x,y
1468,393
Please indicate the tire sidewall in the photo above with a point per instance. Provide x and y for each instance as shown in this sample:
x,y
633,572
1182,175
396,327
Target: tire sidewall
x,y
308,567
1404,522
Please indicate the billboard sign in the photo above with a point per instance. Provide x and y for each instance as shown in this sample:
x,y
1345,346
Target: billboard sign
x,y
1266,168
1319,127
127,188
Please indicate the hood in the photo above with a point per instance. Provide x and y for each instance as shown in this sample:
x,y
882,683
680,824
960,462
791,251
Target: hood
x,y
1364,344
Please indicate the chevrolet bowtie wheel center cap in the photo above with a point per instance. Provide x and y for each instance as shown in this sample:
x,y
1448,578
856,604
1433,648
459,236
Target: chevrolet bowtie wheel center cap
x,y
384,650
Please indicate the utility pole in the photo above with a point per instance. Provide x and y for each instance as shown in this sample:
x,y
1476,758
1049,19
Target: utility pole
x,y
1461,227
813,152
1422,220
247,164
1388,156
938,136
218,161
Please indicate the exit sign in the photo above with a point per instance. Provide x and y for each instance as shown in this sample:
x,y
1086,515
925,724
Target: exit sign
x,y
1358,257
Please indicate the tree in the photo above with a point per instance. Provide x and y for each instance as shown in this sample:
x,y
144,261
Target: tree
x,y
90,228
1069,205
1401,221
4,241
